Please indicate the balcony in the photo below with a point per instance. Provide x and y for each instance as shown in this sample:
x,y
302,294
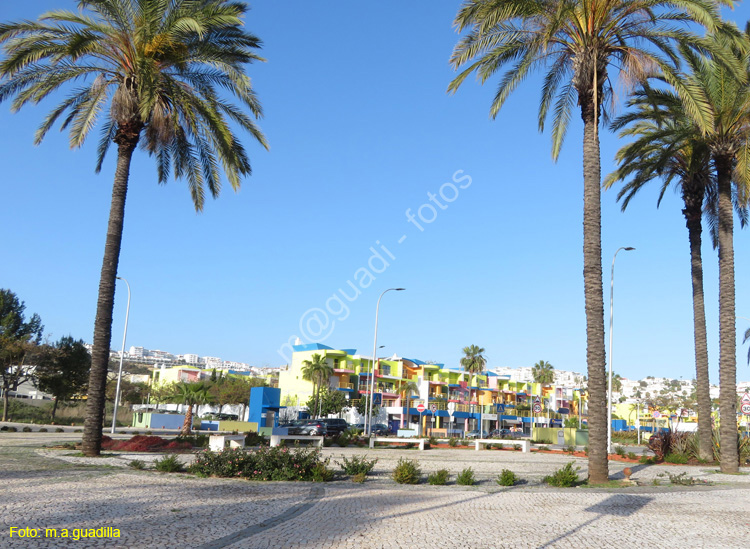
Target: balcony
x,y
346,386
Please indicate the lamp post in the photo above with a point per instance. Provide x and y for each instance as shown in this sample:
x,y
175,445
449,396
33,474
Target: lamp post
x,y
122,354
611,322
368,425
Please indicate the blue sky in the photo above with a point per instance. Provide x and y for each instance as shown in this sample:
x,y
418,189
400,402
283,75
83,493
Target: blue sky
x,y
361,130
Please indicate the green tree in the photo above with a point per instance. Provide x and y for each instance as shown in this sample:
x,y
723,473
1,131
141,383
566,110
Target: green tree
x,y
63,370
328,402
19,337
152,70
473,360
576,42
362,405
543,372
190,394
318,371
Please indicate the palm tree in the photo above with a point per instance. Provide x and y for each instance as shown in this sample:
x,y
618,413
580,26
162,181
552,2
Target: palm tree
x,y
153,69
316,370
407,389
725,98
577,41
669,146
474,362
543,372
190,394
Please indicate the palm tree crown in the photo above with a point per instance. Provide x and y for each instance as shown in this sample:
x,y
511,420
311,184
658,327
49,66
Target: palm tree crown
x,y
543,372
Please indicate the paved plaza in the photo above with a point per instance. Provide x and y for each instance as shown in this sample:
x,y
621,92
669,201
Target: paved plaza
x,y
43,489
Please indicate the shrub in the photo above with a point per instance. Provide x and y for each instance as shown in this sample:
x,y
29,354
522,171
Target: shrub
x,y
466,477
586,450
169,464
407,472
465,442
43,430
137,464
433,441
321,473
135,433
195,441
359,478
343,440
676,458
149,433
255,439
327,442
438,478
517,447
620,450
646,460
453,442
78,431
357,465
631,455
265,463
563,478
570,449
26,429
59,430
507,478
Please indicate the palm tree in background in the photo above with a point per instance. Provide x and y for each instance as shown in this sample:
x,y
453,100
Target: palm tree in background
x,y
152,71
316,370
407,389
670,147
474,362
190,394
543,372
576,42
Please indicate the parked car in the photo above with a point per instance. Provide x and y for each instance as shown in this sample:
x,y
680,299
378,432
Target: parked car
x,y
503,433
473,434
381,429
313,427
335,426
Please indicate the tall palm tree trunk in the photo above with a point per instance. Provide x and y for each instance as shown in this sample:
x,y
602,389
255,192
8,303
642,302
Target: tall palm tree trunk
x,y
692,212
187,425
92,427
592,279
727,329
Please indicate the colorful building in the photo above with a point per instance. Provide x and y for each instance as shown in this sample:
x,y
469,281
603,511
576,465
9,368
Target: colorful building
x,y
454,400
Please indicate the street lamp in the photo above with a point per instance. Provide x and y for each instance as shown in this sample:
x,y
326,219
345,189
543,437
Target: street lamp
x,y
368,425
122,354
611,322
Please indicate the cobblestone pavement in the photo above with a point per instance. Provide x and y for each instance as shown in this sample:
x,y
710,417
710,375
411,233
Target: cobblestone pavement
x,y
40,490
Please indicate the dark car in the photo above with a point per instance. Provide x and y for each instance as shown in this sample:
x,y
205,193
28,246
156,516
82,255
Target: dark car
x,y
335,426
313,427
380,429
502,433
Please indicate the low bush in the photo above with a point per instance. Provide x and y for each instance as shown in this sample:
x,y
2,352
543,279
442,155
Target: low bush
x,y
43,430
453,442
135,433
265,463
646,460
620,450
169,464
195,441
631,455
343,440
137,464
407,472
438,478
676,458
26,429
586,450
359,478
357,465
563,478
466,477
517,447
433,441
59,430
149,433
507,478
570,449
255,439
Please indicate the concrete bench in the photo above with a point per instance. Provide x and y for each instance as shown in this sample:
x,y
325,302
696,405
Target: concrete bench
x,y
218,442
524,444
419,441
276,439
